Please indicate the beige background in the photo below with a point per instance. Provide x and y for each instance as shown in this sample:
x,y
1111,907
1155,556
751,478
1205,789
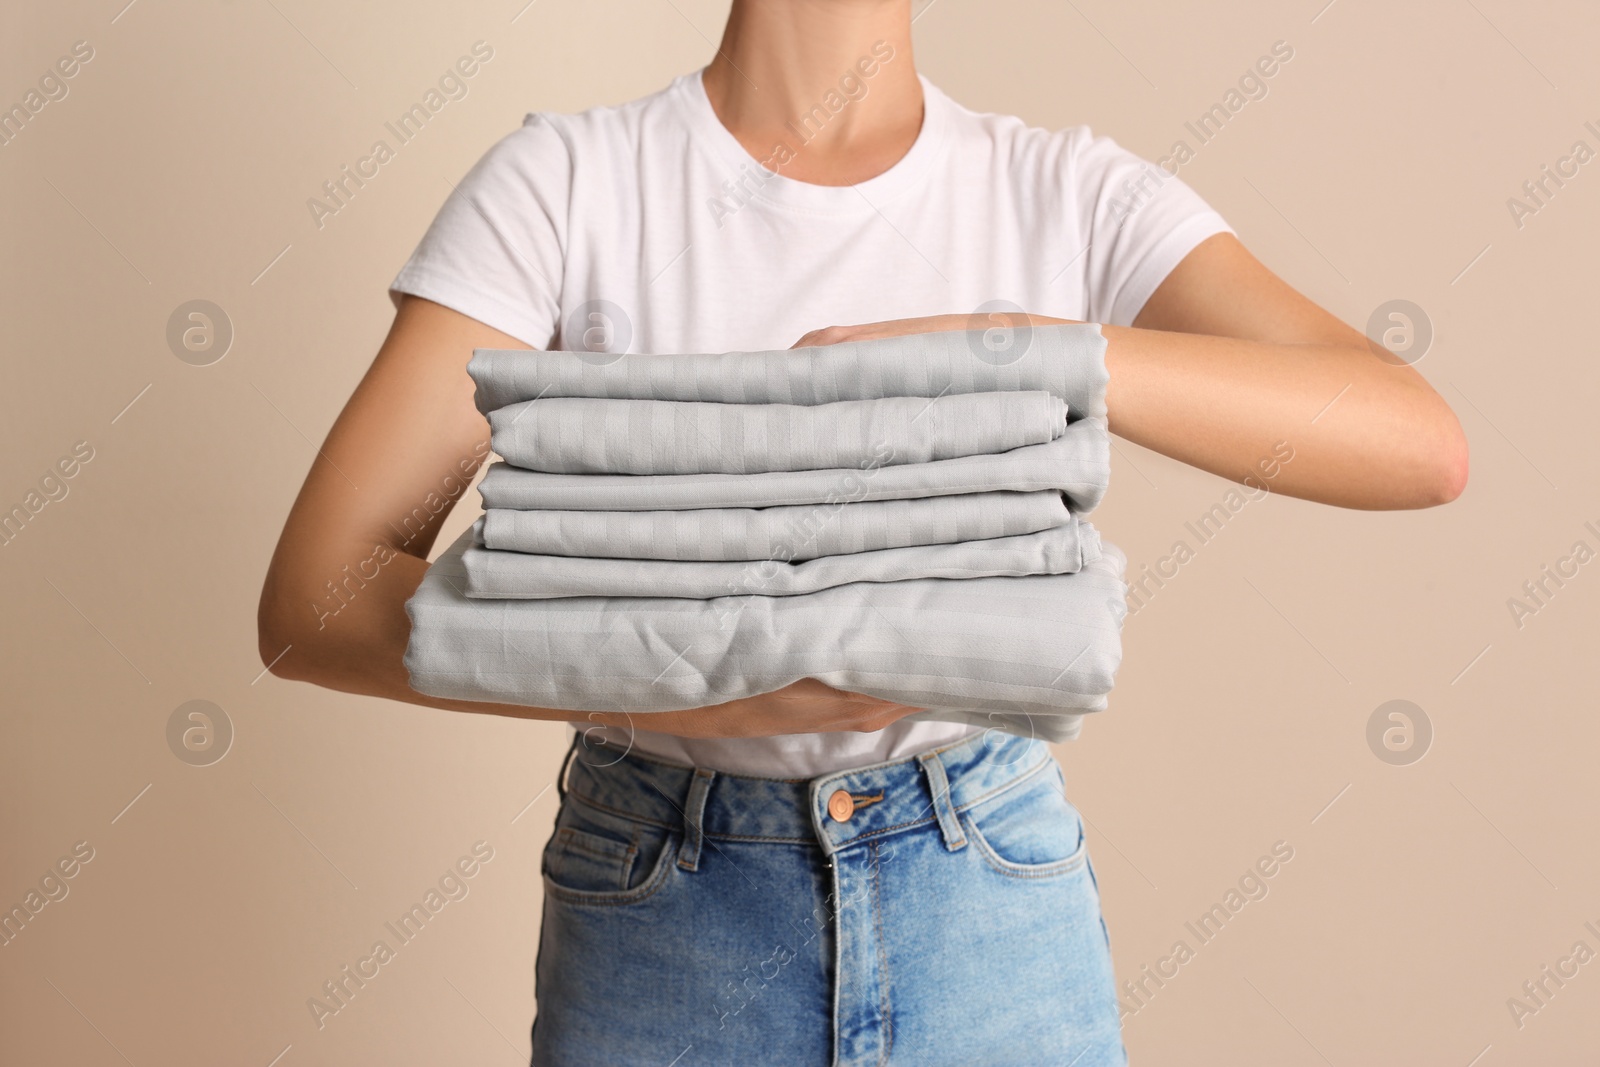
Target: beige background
x,y
1420,897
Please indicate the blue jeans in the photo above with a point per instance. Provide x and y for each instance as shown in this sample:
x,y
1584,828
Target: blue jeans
x,y
934,910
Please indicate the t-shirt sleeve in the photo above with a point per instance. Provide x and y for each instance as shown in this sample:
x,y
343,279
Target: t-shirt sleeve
x,y
1139,222
495,250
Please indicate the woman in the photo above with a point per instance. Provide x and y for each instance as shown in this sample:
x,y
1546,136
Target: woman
x,y
802,877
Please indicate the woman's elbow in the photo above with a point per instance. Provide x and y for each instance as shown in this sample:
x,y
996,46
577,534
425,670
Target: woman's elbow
x,y
1454,482
1444,467
277,632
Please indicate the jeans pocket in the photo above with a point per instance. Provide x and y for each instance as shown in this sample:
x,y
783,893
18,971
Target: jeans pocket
x,y
1030,831
595,857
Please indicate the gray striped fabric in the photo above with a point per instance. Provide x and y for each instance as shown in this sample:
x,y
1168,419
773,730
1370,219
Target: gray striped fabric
x,y
1078,463
586,435
492,574
1028,650
996,650
788,533
1066,361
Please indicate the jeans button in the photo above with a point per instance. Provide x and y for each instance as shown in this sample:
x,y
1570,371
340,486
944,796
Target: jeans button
x,y
841,806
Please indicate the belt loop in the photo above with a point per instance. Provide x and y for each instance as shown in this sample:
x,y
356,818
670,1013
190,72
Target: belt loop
x,y
561,775
943,807
694,810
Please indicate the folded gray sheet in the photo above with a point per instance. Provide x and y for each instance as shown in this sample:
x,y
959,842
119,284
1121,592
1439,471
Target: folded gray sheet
x,y
1066,361
789,533
493,574
587,435
1078,463
1017,653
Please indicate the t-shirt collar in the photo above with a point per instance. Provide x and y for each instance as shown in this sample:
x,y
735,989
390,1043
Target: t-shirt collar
x,y
709,134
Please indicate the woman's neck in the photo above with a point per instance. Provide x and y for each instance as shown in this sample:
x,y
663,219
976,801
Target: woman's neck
x,y
833,80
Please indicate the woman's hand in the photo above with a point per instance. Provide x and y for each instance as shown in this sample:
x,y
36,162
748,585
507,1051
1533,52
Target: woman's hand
x,y
874,331
805,707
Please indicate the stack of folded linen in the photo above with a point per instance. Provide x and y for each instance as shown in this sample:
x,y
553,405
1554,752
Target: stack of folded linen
x,y
898,517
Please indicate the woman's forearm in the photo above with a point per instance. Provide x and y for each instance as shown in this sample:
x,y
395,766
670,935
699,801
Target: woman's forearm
x,y
1363,433
353,639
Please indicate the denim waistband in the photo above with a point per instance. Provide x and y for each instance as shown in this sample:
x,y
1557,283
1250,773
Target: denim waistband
x,y
883,798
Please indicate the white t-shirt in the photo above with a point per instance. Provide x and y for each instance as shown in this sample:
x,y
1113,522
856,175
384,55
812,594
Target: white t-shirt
x,y
647,227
